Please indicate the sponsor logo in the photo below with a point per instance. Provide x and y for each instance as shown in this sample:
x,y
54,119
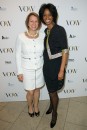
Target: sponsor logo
x,y
11,95
72,36
2,8
73,8
70,81
84,80
9,74
6,50
7,62
73,22
71,71
5,23
71,60
26,8
10,84
73,48
3,37
86,59
69,91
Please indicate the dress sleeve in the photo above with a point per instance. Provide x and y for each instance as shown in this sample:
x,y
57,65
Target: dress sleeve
x,y
64,43
18,56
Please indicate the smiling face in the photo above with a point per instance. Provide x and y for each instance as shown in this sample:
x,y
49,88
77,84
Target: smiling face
x,y
48,18
33,23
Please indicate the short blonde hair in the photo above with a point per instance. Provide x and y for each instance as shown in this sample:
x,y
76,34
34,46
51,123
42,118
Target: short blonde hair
x,y
28,17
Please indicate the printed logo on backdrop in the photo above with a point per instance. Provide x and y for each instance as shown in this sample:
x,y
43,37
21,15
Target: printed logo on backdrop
x,y
68,91
72,36
11,95
73,22
71,60
26,8
5,37
6,50
2,8
5,23
8,62
86,59
70,81
73,8
84,80
10,84
73,48
9,74
71,71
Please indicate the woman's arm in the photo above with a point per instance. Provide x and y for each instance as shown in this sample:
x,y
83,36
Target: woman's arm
x,y
18,59
63,64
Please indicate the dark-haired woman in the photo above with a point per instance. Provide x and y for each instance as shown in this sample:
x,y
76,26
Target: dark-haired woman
x,y
55,56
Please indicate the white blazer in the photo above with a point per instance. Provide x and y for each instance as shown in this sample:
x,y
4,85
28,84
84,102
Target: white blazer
x,y
29,52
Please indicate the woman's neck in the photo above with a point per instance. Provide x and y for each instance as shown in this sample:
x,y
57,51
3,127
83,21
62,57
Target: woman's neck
x,y
32,33
50,26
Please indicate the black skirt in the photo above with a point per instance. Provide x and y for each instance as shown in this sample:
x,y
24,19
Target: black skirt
x,y
50,70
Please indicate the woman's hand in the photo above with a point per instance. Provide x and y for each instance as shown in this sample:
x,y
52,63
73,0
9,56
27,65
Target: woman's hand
x,y
20,77
60,75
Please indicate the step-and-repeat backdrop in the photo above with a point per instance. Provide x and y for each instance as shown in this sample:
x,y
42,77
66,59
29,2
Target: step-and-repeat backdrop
x,y
72,16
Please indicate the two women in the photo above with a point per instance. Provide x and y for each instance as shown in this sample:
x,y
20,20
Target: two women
x,y
29,55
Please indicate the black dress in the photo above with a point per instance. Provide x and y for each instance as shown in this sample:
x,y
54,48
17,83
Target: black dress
x,y
57,42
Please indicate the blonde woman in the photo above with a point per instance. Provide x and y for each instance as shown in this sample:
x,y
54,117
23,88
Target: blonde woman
x,y
29,59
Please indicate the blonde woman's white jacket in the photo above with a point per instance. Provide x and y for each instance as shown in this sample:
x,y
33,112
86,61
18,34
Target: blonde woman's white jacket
x,y
29,52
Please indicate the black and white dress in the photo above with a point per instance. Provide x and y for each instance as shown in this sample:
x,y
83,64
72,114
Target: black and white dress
x,y
57,42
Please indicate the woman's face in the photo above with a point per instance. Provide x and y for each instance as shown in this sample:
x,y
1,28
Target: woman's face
x,y
47,17
33,23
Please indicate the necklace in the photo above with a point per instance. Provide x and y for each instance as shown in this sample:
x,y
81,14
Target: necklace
x,y
31,35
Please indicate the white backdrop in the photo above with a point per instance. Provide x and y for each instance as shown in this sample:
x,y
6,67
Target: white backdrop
x,y
72,16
